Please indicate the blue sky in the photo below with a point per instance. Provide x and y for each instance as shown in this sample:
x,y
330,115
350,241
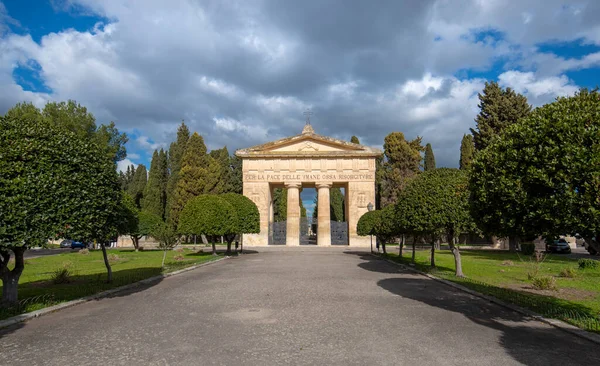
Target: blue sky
x,y
242,72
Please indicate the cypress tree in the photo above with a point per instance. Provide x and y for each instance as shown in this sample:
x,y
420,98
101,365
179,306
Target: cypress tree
x,y
403,161
236,175
429,158
279,204
336,204
176,150
221,156
466,151
138,185
193,175
498,108
354,140
154,200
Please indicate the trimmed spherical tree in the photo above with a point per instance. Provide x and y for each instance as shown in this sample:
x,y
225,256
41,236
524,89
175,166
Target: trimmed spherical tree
x,y
208,215
247,216
541,177
367,223
436,203
53,183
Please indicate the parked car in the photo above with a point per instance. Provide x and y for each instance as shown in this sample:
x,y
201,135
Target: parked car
x,y
65,243
558,246
78,244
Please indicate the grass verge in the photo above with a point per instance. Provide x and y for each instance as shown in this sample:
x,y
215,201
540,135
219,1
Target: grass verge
x,y
86,274
506,276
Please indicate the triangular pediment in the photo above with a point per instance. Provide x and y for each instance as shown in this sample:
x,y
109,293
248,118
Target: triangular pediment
x,y
308,143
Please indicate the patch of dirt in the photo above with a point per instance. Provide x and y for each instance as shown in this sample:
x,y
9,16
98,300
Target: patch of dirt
x,y
562,293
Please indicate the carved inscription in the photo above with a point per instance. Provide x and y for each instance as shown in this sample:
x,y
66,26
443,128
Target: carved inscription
x,y
307,177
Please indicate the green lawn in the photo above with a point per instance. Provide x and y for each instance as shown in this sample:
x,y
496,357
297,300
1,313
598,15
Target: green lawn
x,y
88,274
505,276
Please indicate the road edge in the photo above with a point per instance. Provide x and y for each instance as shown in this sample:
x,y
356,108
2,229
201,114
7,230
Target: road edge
x,y
566,327
64,305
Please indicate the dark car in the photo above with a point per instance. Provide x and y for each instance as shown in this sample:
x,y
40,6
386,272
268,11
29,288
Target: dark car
x,y
78,244
558,246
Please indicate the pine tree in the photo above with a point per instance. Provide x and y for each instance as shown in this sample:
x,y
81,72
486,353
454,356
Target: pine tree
x,y
155,195
466,151
138,185
196,177
176,151
354,140
429,158
498,108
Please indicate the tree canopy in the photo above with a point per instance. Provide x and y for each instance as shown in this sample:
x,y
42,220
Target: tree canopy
x,y
208,215
247,216
542,177
155,193
48,190
402,163
354,140
436,203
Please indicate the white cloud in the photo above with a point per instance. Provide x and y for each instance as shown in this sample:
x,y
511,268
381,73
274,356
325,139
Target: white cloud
x,y
537,90
123,164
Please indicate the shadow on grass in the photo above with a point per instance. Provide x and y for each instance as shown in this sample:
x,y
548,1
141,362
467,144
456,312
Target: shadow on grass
x,y
524,339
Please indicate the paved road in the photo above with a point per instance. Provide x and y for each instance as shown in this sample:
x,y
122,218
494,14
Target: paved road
x,y
299,307
34,253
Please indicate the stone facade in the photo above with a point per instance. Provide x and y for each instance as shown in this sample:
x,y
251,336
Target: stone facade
x,y
315,161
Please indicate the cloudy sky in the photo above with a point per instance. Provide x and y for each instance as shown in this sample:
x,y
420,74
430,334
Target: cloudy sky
x,y
242,72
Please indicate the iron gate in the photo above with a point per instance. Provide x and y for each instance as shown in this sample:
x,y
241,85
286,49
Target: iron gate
x,y
277,232
339,233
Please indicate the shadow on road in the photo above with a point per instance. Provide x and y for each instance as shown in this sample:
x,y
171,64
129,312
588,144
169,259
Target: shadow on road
x,y
523,338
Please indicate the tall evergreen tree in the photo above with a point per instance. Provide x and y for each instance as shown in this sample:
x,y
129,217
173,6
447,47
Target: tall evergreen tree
x,y
126,177
196,177
429,158
279,204
498,108
138,185
176,150
336,205
466,151
155,193
354,140
221,156
236,174
402,163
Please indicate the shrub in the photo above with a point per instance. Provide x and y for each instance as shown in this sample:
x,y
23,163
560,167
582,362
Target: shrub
x,y
544,283
84,251
527,248
179,257
587,263
508,263
113,257
61,275
568,272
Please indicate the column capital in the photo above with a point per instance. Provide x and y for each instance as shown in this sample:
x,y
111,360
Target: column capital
x,y
323,184
293,185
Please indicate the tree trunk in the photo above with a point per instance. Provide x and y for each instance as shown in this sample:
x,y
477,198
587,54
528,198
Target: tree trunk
x,y
401,246
383,247
456,253
433,255
10,279
229,239
136,242
164,256
106,263
214,246
413,248
204,239
513,243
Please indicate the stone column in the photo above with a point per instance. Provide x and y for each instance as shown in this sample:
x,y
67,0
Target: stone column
x,y
324,219
292,235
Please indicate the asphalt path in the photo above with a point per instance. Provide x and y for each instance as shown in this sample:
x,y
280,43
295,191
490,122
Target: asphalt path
x,y
296,307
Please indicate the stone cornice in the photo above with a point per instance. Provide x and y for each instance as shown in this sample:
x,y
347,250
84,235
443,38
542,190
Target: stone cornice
x,y
348,149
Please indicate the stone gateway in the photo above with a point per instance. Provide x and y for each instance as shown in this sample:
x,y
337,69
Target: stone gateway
x,y
311,161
